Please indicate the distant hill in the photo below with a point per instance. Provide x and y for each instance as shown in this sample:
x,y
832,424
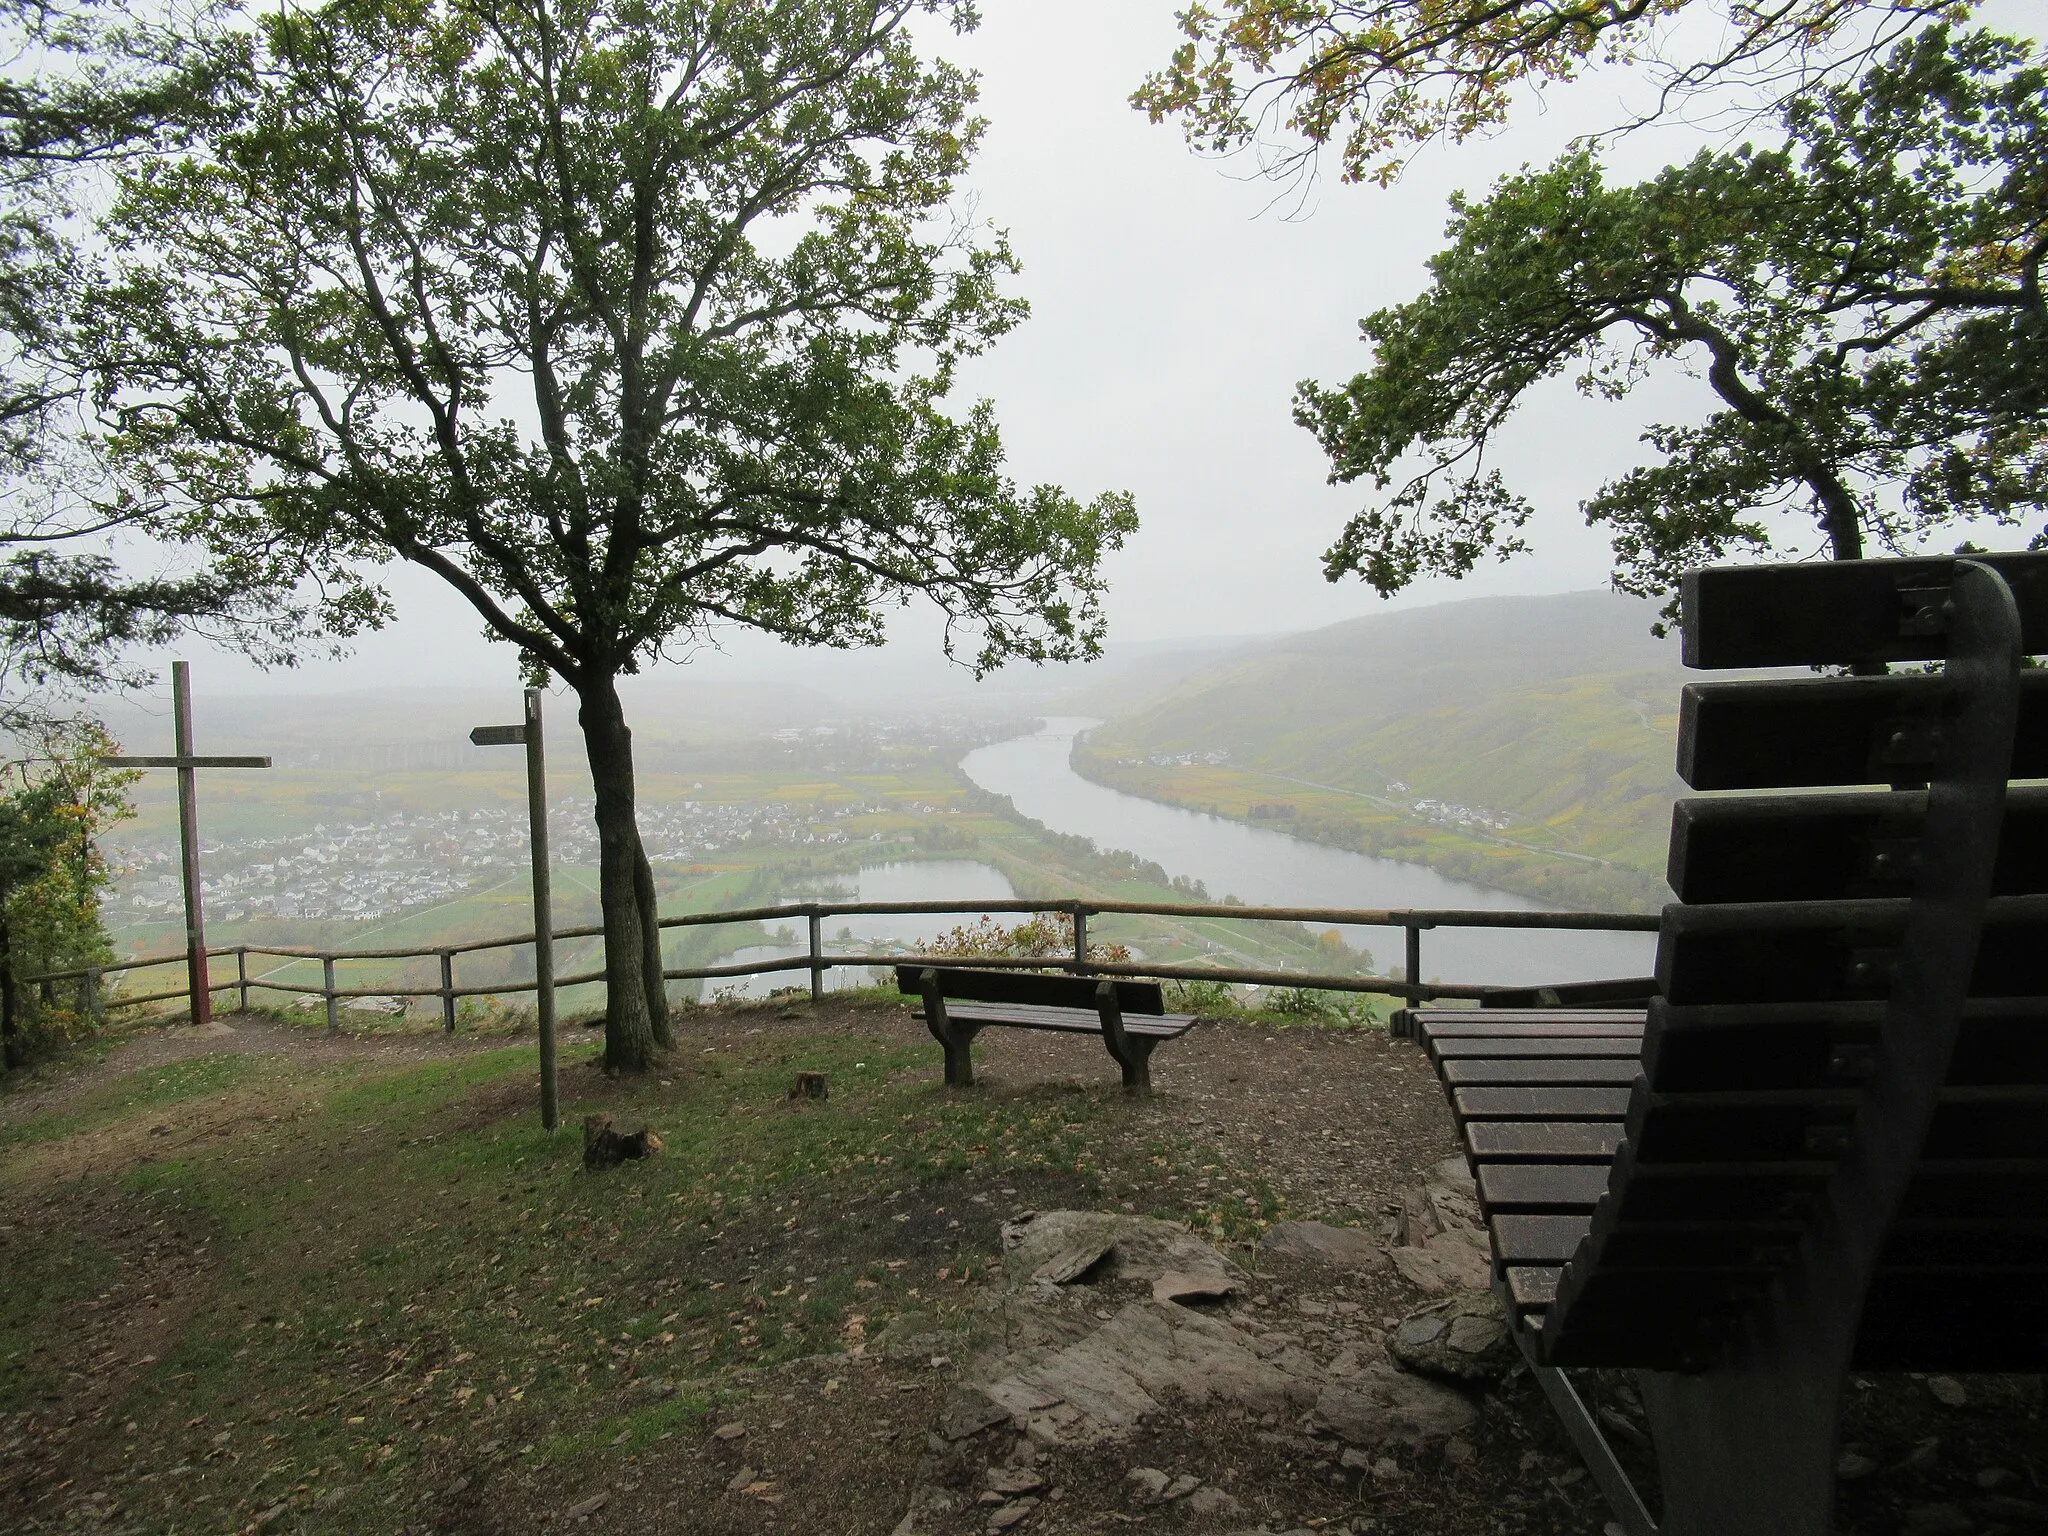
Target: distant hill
x,y
1532,722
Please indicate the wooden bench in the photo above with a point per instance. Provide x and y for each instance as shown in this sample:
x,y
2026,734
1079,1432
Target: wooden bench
x,y
1824,1146
959,1003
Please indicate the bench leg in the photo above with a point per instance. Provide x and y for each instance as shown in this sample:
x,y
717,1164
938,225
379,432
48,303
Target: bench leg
x,y
1740,1451
957,1041
1136,1061
1744,1452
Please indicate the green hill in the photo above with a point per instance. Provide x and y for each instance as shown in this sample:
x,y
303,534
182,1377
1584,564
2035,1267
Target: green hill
x,y
1526,742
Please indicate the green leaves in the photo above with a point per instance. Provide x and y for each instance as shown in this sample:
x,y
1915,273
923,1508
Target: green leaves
x,y
625,317
1378,78
1863,303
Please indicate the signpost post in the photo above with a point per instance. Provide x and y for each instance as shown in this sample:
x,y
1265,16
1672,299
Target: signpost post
x,y
528,734
188,830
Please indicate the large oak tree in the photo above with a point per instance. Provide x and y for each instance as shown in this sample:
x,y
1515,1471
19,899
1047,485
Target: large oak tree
x,y
626,318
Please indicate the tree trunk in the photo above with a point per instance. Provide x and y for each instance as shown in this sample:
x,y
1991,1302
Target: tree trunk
x,y
650,944
630,1037
10,1025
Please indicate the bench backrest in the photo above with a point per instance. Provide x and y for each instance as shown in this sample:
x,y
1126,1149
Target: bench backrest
x,y
973,984
1851,1043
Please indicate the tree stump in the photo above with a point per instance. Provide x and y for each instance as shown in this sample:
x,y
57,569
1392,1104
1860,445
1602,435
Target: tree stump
x,y
605,1145
810,1085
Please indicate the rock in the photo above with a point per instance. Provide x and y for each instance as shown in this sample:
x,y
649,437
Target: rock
x,y
1213,1501
730,1432
1354,1460
1352,1249
913,1338
1014,1481
1147,1484
1924,1457
1458,1451
1456,1259
653,1389
587,1508
1013,1513
1104,1383
1853,1466
1180,1487
969,1410
1991,1479
1936,1520
606,1144
1463,1339
740,1479
1947,1391
1069,1247
1386,1470
1382,1406
1452,1192
1175,1286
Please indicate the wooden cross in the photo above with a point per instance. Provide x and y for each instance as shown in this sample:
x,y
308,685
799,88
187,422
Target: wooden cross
x,y
188,829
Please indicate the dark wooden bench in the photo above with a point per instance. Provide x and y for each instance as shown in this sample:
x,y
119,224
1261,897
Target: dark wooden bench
x,y
1130,1016
1824,1146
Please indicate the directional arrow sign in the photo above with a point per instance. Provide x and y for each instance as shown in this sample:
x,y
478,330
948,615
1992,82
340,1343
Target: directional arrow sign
x,y
498,736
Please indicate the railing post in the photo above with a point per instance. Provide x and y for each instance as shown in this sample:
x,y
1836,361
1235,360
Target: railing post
x,y
242,973
817,923
1413,972
448,990
1080,939
327,990
93,1010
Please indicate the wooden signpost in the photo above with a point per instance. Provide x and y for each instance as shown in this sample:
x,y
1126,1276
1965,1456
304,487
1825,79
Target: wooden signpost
x,y
188,829
528,734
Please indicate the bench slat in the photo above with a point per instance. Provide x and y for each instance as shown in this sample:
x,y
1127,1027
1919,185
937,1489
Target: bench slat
x,y
1833,612
1532,1285
1830,847
1480,1028
1719,1047
1578,1072
1527,1187
1460,1047
1540,1103
1537,1239
1587,1140
1826,731
1826,951
1072,1020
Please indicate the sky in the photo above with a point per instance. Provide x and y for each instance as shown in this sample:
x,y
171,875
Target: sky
x,y
1176,302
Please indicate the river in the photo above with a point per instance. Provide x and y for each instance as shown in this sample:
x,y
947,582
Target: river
x,y
1267,868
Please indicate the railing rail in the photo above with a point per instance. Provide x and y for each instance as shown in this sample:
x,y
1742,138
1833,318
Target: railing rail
x,y
818,960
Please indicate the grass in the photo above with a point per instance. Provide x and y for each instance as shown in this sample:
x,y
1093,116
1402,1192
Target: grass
x,y
412,1274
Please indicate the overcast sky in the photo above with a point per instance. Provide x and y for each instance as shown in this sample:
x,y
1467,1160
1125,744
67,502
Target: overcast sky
x,y
1175,305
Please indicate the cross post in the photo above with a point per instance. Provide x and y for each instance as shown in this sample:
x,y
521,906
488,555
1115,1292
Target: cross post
x,y
527,733
197,977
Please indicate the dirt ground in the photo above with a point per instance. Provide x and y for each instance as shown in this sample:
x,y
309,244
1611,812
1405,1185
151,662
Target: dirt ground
x,y
1338,1124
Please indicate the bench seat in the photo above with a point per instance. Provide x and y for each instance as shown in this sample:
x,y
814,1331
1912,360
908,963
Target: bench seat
x,y
1169,1026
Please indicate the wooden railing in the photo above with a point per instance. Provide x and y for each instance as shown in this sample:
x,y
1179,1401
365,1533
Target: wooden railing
x,y
1414,922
